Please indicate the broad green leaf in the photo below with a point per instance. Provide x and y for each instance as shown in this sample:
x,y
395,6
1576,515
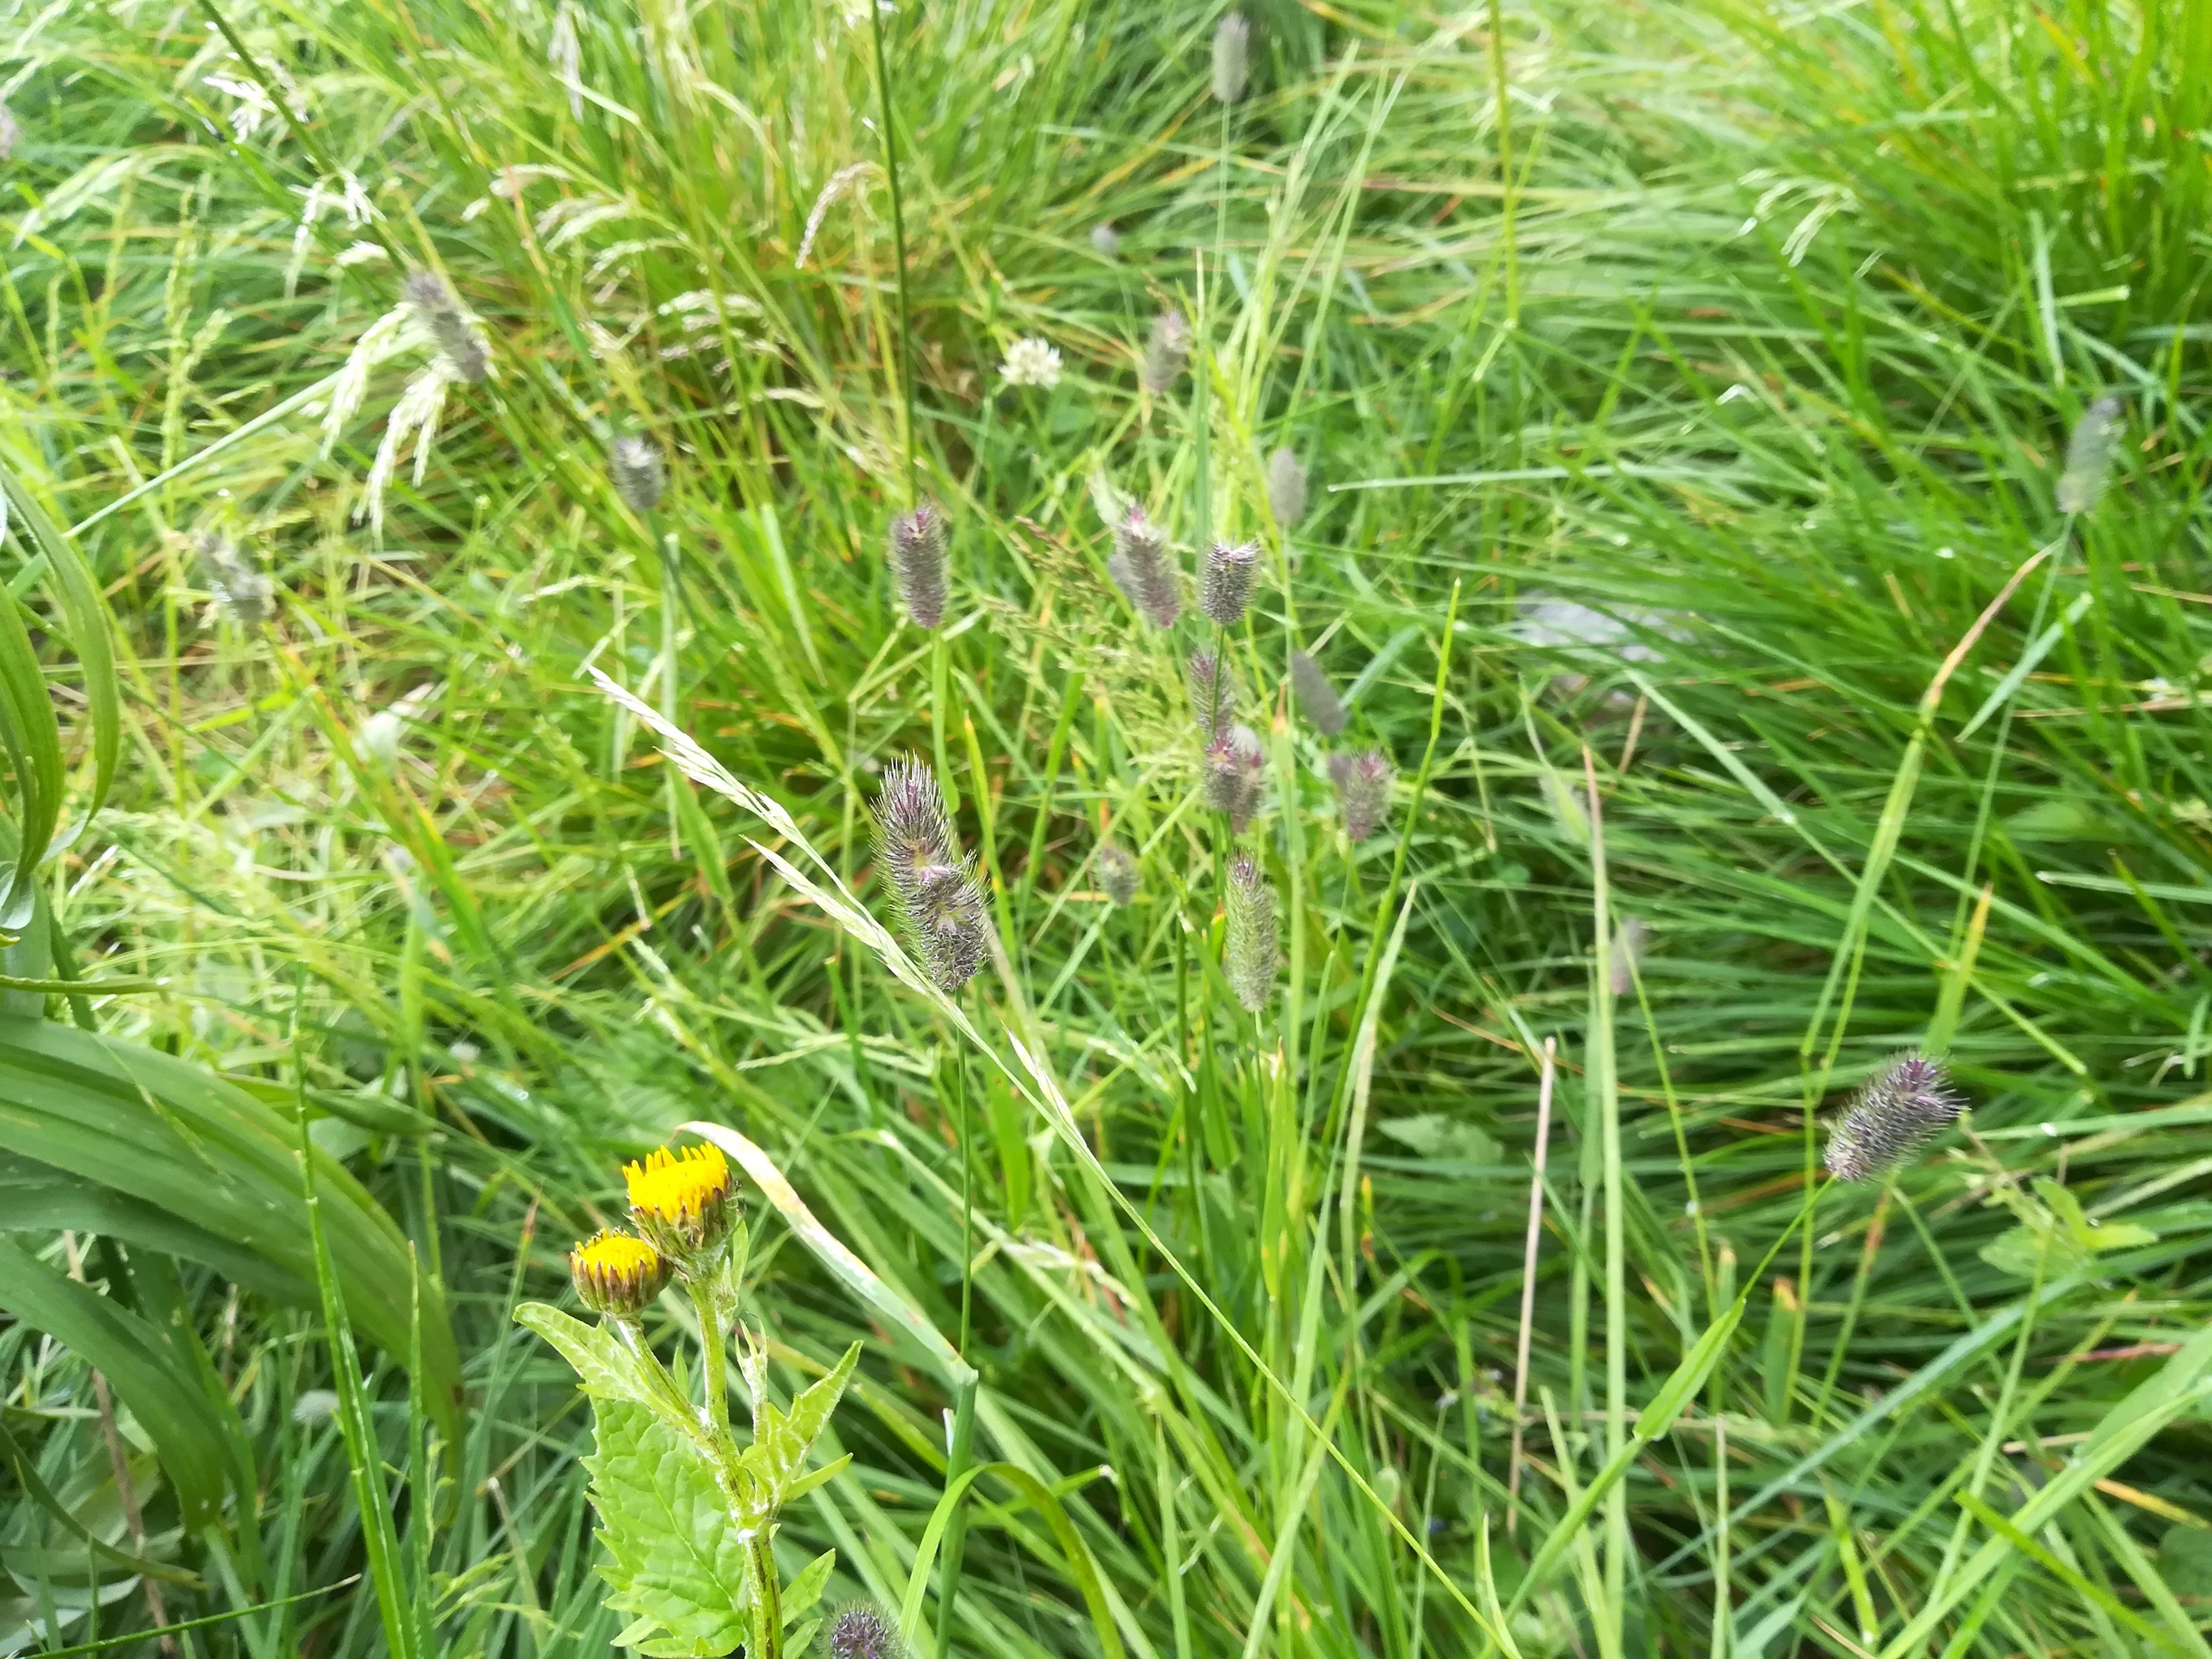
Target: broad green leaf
x,y
145,1372
602,1362
675,1561
35,1199
166,1138
91,630
804,1591
782,1441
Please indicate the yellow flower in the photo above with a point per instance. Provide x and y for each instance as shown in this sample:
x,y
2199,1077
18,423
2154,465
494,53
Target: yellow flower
x,y
618,1275
681,1202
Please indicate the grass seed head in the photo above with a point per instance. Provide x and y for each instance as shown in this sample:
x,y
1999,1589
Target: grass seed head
x,y
1236,779
1316,696
1142,568
435,307
1225,587
1166,353
1212,695
1896,1112
1363,784
1286,487
917,553
1105,241
2089,451
929,874
640,478
861,1630
1629,940
1251,957
1232,58
1117,872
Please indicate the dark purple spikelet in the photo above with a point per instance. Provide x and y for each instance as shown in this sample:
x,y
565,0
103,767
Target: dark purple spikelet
x,y
433,305
1141,567
861,1630
1896,1112
929,874
1316,696
1225,588
917,555
1235,776
1117,872
1363,790
1212,695
1251,954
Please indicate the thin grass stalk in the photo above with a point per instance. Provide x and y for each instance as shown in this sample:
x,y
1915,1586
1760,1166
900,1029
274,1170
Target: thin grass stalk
x,y
960,1451
898,248
1600,1078
1528,1280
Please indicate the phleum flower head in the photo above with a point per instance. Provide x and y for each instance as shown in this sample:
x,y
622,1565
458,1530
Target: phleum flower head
x,y
1363,784
1250,957
1898,1111
1316,696
1031,362
2089,456
917,553
683,1202
1141,567
1225,587
1232,58
1117,872
1166,353
861,1630
929,874
438,311
1212,695
1235,778
617,1275
1286,487
640,478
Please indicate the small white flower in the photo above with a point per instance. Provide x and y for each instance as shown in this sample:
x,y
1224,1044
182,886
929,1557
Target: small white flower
x,y
1031,362
254,105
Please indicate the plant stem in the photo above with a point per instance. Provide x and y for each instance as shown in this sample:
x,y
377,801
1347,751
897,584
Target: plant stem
x,y
959,1454
712,1362
899,243
768,1611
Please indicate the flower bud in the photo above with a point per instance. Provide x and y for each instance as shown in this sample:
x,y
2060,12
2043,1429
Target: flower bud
x,y
617,1275
1117,872
1363,790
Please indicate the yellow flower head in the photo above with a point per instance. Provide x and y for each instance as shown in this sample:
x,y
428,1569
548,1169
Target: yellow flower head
x,y
616,1275
681,1202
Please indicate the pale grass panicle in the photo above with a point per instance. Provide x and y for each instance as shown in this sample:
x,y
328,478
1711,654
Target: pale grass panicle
x,y
1031,362
2090,449
1167,353
640,476
1630,940
1251,954
1316,696
1105,241
1117,872
1286,487
243,591
1232,58
1236,775
1896,1112
1225,588
918,544
1142,568
929,874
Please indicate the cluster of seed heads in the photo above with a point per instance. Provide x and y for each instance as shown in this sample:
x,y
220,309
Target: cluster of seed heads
x,y
1236,781
1117,872
2089,450
1232,58
435,307
640,478
861,1630
1316,696
1250,955
917,554
1286,487
1142,567
1166,353
929,874
1363,784
1896,1112
1225,588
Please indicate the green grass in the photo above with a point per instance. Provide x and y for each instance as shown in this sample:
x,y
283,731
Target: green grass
x,y
1761,329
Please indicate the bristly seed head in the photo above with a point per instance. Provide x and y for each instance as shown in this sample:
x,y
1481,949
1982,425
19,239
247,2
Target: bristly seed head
x,y
1286,487
1898,1110
929,874
1225,586
1142,568
433,305
1212,695
917,554
1233,57
1250,955
634,464
1117,872
861,1630
1235,780
2089,450
1316,696
1165,354
1363,790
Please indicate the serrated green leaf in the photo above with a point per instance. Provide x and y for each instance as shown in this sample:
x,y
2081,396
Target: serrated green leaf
x,y
782,1441
814,1477
603,1365
674,1557
806,1590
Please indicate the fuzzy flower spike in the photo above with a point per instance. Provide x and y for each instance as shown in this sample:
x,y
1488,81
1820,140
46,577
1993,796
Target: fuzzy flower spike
x,y
917,555
929,874
1226,588
861,1630
1166,353
1363,784
1316,696
1236,778
1900,1109
1142,568
638,473
1251,953
435,307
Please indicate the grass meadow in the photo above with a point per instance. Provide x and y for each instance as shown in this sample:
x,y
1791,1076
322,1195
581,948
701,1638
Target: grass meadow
x,y
1685,391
